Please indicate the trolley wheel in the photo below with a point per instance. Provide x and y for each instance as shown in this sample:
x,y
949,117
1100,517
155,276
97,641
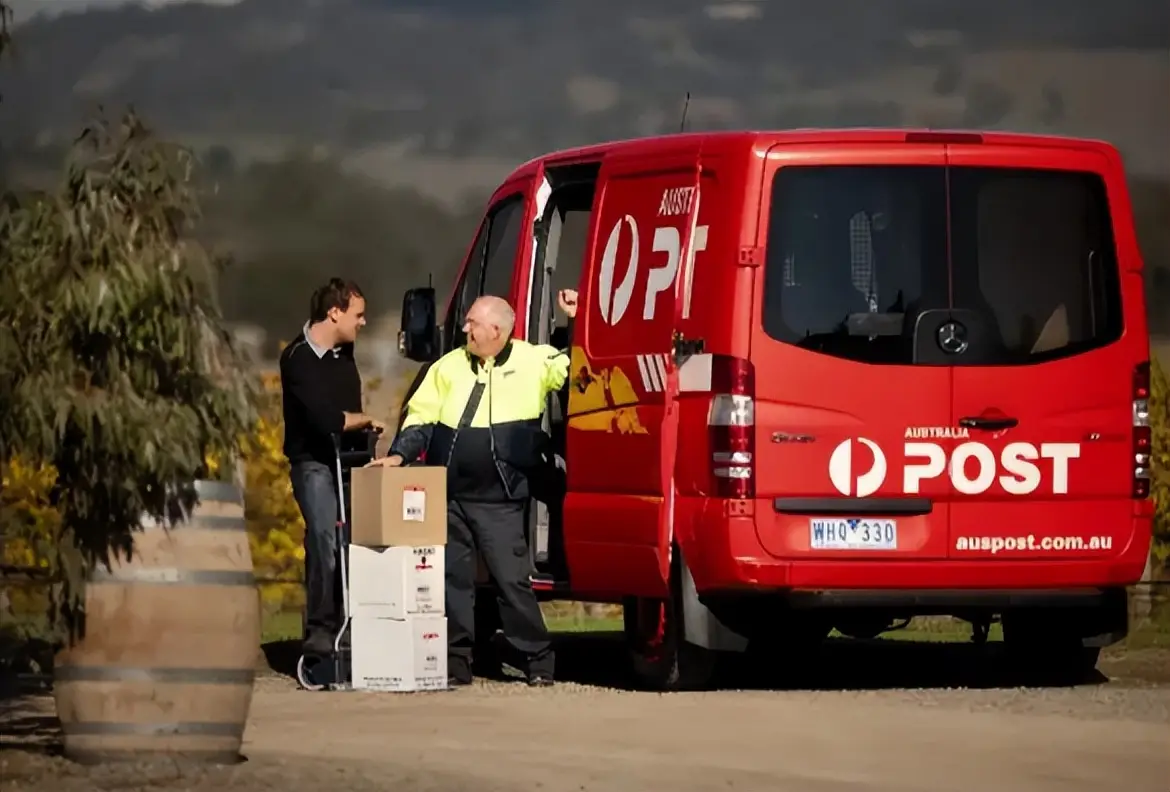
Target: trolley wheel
x,y
309,668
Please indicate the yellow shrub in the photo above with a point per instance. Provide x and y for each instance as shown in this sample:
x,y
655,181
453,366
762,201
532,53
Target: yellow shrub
x,y
28,524
29,520
275,527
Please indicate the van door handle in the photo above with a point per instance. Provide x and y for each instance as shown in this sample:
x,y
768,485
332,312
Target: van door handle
x,y
989,424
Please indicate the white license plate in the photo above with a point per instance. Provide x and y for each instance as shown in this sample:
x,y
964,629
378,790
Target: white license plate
x,y
853,534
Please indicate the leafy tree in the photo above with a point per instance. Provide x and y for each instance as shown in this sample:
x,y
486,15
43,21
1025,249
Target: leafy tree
x,y
116,371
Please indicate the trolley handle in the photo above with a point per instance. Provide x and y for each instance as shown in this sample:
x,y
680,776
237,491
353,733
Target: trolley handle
x,y
355,449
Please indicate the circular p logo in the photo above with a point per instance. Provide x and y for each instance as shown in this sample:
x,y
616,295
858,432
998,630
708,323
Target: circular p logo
x,y
614,301
841,472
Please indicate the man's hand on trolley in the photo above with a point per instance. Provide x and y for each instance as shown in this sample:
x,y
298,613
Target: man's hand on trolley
x,y
393,460
354,421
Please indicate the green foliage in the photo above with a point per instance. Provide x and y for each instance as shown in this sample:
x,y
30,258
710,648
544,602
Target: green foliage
x,y
116,371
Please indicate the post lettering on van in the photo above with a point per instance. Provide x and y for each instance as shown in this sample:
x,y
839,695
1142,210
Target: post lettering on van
x,y
613,300
1020,475
972,467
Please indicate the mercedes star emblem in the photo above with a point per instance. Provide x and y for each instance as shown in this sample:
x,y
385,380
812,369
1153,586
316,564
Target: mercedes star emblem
x,y
952,338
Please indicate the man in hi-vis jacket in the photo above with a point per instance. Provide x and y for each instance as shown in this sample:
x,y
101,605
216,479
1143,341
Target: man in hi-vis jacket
x,y
478,411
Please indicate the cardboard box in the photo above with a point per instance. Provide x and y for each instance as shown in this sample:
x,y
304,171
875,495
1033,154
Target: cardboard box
x,y
399,655
395,582
403,506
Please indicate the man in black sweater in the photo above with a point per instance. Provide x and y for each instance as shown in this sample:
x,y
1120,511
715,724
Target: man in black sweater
x,y
322,393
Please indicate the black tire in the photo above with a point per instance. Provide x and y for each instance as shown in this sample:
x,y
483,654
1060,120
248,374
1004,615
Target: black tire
x,y
660,657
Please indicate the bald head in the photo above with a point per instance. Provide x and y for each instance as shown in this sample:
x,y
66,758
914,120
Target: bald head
x,y
497,312
490,322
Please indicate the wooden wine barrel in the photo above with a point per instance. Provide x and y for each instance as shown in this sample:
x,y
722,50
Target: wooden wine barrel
x,y
169,653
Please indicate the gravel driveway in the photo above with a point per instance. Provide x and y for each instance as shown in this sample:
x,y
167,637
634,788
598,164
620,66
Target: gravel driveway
x,y
866,732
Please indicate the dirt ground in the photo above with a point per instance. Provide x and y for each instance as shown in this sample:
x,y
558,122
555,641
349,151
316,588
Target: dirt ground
x,y
875,717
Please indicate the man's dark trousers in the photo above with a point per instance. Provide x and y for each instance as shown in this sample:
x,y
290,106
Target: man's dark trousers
x,y
497,529
315,490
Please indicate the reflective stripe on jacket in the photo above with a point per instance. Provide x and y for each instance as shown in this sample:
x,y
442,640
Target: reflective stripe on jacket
x,y
515,388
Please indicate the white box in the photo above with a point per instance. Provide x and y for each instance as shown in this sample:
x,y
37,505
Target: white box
x,y
396,582
399,655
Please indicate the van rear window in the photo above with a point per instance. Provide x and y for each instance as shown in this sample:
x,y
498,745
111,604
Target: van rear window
x,y
856,254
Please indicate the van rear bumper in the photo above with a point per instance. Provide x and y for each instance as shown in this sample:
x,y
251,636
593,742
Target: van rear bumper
x,y
928,575
725,555
944,601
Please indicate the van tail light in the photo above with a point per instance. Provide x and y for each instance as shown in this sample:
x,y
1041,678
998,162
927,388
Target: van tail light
x,y
1142,433
731,425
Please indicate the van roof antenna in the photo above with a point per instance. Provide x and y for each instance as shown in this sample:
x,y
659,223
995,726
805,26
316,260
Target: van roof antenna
x,y
682,127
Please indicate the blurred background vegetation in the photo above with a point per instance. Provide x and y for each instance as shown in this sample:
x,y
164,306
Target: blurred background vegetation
x,y
361,138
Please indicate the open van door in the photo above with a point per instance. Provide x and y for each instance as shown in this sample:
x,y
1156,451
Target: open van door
x,y
622,422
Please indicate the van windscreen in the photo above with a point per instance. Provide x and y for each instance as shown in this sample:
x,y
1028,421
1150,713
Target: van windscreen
x,y
857,254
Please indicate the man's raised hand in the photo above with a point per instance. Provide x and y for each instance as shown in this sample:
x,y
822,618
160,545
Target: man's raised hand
x,y
567,302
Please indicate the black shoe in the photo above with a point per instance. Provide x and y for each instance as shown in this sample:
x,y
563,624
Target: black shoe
x,y
458,681
539,669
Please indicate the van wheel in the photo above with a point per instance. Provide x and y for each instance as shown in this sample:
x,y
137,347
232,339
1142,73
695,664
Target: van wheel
x,y
1046,654
662,659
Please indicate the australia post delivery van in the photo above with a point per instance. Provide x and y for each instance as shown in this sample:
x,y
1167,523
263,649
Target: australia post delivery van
x,y
830,379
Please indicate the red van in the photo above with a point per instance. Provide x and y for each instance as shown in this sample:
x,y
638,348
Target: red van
x,y
831,379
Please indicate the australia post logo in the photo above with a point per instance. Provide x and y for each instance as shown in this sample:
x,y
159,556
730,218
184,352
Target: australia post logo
x,y
858,467
617,274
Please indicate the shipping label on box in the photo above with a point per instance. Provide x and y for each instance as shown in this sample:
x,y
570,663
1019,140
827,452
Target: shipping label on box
x,y
395,582
399,655
398,507
426,588
414,504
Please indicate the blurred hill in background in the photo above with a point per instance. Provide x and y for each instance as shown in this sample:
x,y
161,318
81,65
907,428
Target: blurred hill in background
x,y
360,136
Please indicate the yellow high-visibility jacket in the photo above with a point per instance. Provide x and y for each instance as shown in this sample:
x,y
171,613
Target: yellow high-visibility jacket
x,y
512,390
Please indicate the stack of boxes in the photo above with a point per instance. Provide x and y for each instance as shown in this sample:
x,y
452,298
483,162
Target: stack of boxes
x,y
398,530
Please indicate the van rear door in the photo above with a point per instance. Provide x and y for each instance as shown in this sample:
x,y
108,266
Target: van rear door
x,y
1044,383
621,421
856,248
